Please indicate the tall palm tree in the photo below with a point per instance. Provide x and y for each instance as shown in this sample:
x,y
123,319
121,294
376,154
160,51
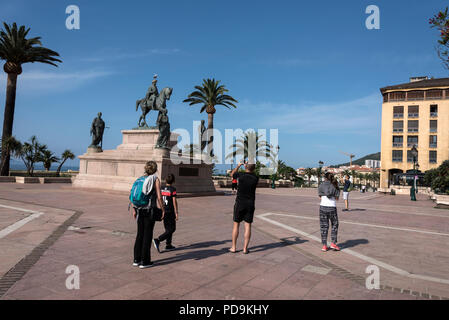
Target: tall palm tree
x,y
16,49
210,94
11,146
48,158
67,154
251,146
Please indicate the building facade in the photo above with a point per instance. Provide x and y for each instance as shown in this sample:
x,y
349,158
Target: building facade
x,y
372,163
414,114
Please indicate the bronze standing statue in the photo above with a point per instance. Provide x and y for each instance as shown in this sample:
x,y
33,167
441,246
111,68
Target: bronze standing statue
x,y
96,131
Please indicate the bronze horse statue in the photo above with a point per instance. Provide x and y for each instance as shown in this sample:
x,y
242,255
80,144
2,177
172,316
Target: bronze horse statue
x,y
159,104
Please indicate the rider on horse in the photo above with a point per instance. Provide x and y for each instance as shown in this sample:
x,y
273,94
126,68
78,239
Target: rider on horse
x,y
152,94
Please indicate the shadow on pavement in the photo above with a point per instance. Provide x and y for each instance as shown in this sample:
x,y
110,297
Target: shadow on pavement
x,y
352,243
207,253
356,209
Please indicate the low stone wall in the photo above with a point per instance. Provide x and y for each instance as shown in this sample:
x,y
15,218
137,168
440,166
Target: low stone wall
x,y
36,180
263,183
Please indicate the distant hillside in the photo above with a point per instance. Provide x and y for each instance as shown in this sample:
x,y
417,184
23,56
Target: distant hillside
x,y
361,161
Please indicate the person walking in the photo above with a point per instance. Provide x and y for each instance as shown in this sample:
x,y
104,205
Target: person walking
x,y
171,214
347,184
244,206
329,192
145,223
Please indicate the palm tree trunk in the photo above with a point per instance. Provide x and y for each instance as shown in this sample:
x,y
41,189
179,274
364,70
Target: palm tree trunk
x,y
210,127
58,171
8,120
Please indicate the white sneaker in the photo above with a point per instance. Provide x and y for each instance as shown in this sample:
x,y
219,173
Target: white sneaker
x,y
145,266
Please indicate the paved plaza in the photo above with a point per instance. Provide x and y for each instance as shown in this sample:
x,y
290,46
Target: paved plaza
x,y
46,228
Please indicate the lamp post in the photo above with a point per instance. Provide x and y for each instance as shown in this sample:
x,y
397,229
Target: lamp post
x,y
320,165
273,180
414,152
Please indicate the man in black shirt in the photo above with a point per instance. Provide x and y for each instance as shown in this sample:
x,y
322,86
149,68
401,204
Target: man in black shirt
x,y
244,203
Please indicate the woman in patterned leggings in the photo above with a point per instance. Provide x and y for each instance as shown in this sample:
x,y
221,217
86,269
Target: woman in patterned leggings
x,y
329,193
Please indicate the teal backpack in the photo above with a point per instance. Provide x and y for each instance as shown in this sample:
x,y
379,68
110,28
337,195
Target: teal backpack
x,y
137,197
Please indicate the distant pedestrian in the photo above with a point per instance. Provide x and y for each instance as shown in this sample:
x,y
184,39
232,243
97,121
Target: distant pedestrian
x,y
329,193
244,206
151,188
234,183
347,184
171,214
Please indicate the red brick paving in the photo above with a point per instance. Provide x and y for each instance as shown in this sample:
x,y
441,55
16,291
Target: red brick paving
x,y
201,267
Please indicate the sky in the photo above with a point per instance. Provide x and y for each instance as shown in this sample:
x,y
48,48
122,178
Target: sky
x,y
310,69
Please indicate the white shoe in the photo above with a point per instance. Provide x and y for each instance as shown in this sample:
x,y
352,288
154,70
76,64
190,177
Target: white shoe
x,y
145,266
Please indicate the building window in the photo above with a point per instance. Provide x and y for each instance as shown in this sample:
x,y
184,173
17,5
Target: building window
x,y
413,125
398,126
432,156
397,96
434,94
410,156
432,141
398,141
397,155
385,95
446,93
433,125
398,112
433,110
412,141
415,95
413,111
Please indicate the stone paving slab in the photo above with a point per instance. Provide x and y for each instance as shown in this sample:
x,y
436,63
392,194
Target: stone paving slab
x,y
100,243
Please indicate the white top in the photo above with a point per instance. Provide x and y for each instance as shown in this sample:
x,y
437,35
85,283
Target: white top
x,y
328,202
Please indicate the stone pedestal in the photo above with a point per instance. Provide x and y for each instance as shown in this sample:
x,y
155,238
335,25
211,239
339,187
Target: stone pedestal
x,y
118,169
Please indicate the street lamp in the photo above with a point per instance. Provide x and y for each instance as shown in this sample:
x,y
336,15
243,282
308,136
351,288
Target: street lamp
x,y
414,152
273,181
320,164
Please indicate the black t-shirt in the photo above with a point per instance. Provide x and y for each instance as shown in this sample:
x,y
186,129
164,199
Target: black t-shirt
x,y
168,193
246,189
346,187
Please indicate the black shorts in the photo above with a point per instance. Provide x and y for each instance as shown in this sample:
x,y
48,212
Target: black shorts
x,y
234,186
243,213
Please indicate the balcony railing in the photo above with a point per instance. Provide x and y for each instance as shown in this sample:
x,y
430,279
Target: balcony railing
x,y
397,159
398,115
432,145
433,129
411,144
413,130
397,144
413,115
434,114
398,130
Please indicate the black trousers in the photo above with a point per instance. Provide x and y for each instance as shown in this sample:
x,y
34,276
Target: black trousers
x,y
326,214
142,246
170,228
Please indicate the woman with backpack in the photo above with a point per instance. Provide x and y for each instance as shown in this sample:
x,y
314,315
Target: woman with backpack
x,y
146,193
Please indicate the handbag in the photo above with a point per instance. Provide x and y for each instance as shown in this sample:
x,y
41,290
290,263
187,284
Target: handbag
x,y
155,214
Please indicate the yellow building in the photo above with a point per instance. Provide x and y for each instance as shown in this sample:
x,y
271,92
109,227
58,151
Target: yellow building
x,y
414,113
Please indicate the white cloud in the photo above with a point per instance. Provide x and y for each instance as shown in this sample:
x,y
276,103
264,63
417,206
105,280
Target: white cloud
x,y
114,54
40,81
359,116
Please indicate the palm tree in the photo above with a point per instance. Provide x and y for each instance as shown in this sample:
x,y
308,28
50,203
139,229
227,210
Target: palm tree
x,y
31,153
67,154
210,94
11,146
48,158
309,172
251,146
16,49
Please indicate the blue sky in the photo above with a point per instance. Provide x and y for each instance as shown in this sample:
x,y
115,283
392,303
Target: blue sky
x,y
310,69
